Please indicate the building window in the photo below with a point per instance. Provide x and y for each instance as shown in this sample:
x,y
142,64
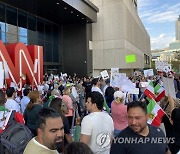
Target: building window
x,y
11,16
2,12
40,28
19,26
48,31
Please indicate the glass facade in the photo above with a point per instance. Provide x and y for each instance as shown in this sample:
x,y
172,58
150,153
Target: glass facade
x,y
20,26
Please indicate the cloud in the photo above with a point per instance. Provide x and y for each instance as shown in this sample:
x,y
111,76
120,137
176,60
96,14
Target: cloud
x,y
162,41
162,36
163,17
145,3
161,14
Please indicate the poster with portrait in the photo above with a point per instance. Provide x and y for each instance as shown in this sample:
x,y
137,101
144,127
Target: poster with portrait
x,y
104,74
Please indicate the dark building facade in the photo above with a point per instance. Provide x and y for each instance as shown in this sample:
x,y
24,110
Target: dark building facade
x,y
62,27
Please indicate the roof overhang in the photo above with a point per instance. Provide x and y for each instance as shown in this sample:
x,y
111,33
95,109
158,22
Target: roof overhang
x,y
58,11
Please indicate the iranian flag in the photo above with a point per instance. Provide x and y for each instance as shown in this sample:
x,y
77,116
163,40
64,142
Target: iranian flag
x,y
159,91
23,76
155,113
149,91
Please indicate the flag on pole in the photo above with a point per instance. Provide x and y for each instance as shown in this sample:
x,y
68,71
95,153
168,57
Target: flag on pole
x,y
23,76
149,91
155,113
159,91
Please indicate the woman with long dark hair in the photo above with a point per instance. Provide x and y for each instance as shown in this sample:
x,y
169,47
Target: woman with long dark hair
x,y
31,111
109,95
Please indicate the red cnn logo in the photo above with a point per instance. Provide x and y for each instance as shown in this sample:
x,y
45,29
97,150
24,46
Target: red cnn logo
x,y
22,61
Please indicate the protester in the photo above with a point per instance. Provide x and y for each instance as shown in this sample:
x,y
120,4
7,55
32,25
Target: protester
x,y
172,125
119,113
109,95
87,84
69,103
31,112
77,148
107,81
96,85
4,112
47,99
139,137
11,104
97,127
50,133
25,100
56,104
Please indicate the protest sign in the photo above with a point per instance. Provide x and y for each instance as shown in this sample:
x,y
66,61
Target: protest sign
x,y
144,84
167,68
134,91
122,74
148,72
1,75
130,58
114,77
104,74
162,66
168,84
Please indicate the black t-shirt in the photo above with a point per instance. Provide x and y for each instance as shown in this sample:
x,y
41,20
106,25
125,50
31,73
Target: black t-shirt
x,y
88,86
61,88
129,142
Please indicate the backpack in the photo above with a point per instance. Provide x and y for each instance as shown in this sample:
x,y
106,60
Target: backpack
x,y
15,138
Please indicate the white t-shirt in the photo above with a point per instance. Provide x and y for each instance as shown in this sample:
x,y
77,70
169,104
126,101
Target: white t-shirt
x,y
12,105
99,125
95,88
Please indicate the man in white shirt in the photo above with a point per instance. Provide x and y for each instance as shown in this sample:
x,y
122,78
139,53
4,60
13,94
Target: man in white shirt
x,y
97,127
96,85
11,104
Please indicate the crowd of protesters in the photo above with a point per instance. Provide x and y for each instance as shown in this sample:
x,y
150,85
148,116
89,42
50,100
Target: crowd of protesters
x,y
102,111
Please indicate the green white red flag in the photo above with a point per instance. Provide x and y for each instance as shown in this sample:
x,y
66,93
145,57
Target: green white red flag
x,y
155,113
149,91
159,92
23,76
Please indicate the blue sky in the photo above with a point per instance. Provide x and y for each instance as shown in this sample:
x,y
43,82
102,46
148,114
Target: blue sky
x,y
158,17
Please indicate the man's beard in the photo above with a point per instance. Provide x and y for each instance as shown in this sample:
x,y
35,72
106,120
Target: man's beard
x,y
140,130
58,145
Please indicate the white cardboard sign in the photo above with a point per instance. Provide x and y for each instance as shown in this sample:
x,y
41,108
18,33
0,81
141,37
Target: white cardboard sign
x,y
148,72
168,84
1,75
105,74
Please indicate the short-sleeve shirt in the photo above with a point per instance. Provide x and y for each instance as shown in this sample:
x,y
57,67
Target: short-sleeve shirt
x,y
99,125
12,105
129,142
